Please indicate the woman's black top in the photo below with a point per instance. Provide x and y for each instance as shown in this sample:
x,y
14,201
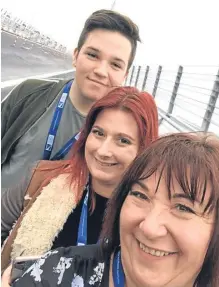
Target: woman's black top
x,y
68,235
78,266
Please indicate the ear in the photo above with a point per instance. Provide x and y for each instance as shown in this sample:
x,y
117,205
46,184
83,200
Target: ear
x,y
74,57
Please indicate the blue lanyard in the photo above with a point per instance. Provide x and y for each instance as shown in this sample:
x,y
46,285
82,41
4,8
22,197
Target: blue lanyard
x,y
82,231
54,128
66,148
118,273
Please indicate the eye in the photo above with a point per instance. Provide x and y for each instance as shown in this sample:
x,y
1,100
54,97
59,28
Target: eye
x,y
117,66
124,141
98,133
138,194
92,55
184,208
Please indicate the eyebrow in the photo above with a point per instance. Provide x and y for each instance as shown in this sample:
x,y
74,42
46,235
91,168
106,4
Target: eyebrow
x,y
119,134
92,48
186,196
127,136
98,51
97,127
175,195
142,185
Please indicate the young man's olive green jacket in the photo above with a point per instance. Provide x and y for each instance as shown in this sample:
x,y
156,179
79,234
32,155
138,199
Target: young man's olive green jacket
x,y
23,107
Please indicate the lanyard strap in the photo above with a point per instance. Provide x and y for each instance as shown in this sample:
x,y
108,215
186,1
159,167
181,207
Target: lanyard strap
x,y
55,122
66,148
82,231
118,273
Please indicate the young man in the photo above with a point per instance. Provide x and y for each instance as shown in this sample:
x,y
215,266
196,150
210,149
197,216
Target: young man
x,y
40,118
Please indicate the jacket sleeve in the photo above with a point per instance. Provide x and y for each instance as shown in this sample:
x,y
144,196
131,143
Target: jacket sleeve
x,y
7,106
57,267
12,203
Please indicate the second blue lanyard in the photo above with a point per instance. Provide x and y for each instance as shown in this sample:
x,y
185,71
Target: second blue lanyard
x,y
118,272
82,230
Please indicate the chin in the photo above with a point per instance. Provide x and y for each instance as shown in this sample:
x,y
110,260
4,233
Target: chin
x,y
93,97
104,180
95,94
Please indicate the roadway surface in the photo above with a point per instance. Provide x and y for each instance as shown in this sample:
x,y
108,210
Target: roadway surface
x,y
21,59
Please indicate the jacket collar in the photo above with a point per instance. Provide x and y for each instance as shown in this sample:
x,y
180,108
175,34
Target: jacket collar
x,y
45,219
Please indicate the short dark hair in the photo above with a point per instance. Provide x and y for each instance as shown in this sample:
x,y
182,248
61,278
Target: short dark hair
x,y
111,21
172,155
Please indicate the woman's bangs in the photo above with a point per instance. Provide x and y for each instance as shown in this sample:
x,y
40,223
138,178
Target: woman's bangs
x,y
148,168
194,179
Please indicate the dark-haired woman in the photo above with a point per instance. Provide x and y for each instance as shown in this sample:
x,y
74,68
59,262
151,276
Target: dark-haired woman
x,y
62,203
161,227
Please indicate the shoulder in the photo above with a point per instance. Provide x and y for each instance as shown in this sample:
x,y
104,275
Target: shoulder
x,y
47,169
44,170
34,88
88,252
76,266
27,87
52,164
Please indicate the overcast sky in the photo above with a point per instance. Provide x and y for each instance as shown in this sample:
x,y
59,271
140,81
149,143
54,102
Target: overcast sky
x,y
172,31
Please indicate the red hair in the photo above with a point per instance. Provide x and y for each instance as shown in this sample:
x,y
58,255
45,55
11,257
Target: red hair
x,y
142,107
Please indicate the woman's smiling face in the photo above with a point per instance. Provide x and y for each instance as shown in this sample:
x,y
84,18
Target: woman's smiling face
x,y
111,146
164,238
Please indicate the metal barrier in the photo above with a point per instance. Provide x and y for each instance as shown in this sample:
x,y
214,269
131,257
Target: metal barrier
x,y
21,29
187,96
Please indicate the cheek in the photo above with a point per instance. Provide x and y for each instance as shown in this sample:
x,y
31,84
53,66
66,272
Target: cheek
x,y
129,155
82,66
130,217
89,147
124,220
116,78
194,240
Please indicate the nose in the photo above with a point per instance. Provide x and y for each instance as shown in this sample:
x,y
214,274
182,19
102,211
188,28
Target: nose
x,y
101,70
105,149
154,224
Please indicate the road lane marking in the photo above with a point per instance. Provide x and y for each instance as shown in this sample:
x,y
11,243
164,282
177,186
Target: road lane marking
x,y
14,82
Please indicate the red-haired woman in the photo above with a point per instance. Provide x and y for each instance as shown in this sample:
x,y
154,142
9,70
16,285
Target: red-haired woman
x,y
62,203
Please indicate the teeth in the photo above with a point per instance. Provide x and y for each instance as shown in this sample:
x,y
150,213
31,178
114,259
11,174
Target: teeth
x,y
153,251
106,164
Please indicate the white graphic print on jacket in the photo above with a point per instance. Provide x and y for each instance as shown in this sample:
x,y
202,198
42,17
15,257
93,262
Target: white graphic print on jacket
x,y
98,274
64,263
78,281
35,269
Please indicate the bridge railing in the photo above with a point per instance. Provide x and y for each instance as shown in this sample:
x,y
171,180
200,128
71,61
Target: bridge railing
x,y
19,28
186,96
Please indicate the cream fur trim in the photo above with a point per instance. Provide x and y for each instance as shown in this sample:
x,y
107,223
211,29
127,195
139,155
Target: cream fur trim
x,y
45,219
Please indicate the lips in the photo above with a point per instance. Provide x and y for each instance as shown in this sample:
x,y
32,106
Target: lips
x,y
154,252
108,164
97,82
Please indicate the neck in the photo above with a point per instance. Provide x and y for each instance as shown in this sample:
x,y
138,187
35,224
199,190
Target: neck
x,y
129,282
102,188
79,101
111,281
